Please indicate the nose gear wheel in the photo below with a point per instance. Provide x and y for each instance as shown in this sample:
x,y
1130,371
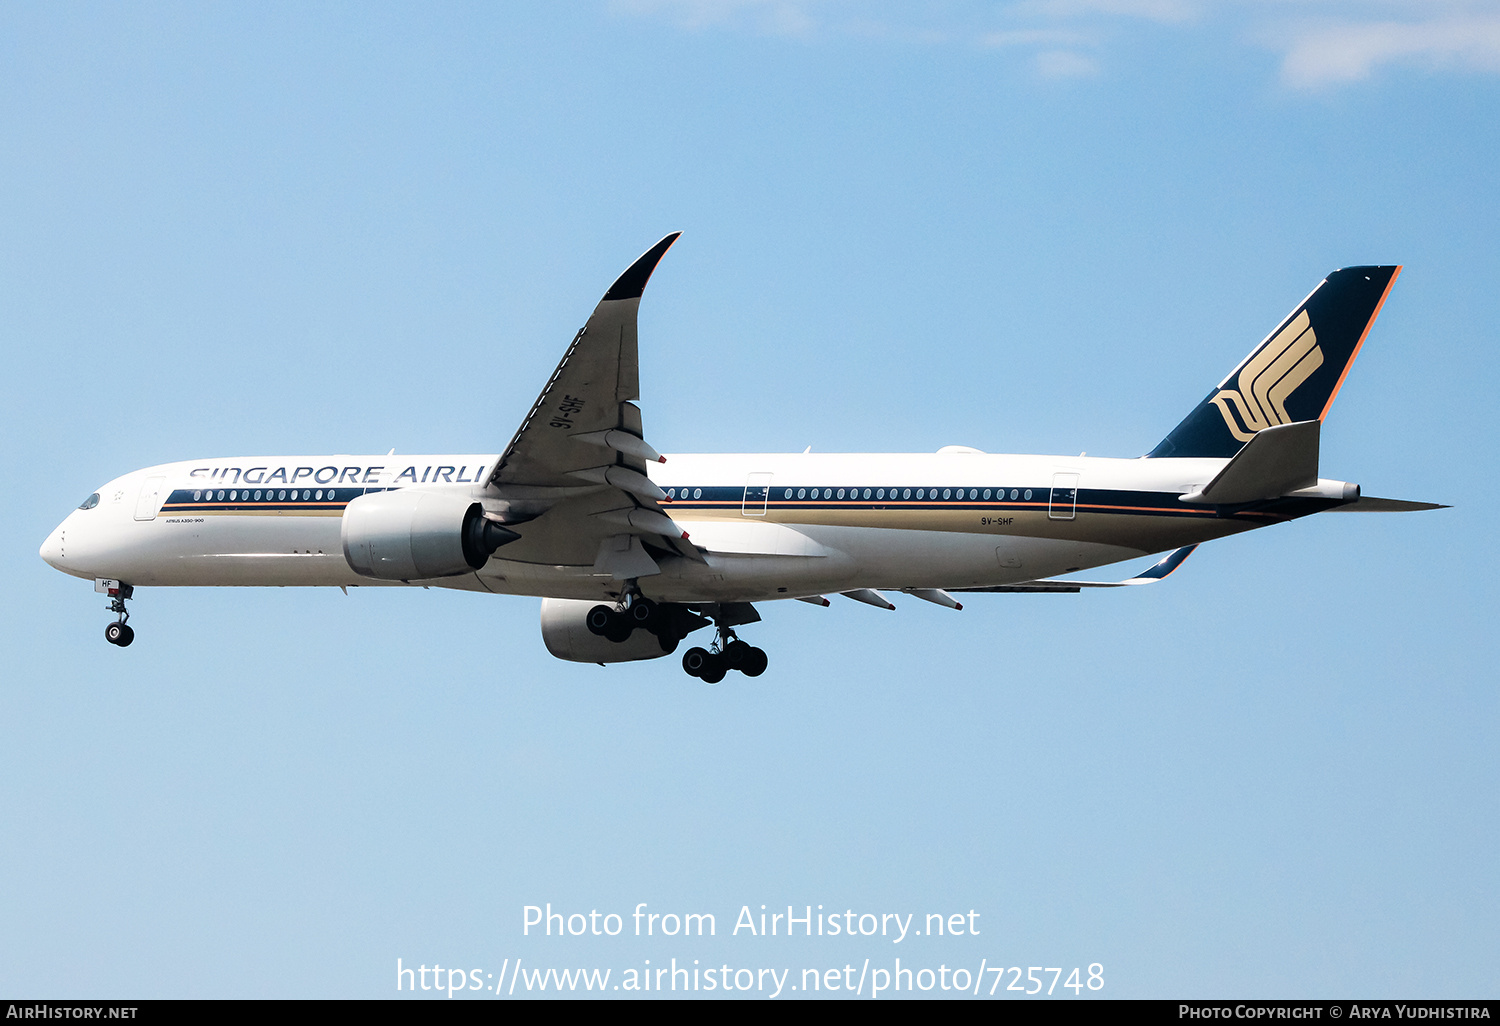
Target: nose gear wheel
x,y
120,632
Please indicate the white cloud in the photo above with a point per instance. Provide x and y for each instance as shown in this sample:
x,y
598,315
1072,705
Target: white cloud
x,y
1065,64
1323,43
1151,10
1053,50
1032,37
1336,54
777,17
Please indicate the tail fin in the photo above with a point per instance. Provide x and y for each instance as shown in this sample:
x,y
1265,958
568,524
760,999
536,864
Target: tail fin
x,y
1294,374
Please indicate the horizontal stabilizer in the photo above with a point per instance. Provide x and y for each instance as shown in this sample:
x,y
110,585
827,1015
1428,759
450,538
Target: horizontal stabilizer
x,y
1370,504
1157,572
1277,461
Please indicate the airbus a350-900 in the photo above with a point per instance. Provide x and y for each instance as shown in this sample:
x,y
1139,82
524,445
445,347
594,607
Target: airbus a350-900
x,y
631,551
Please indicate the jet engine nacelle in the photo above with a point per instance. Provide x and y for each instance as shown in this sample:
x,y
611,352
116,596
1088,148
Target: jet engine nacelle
x,y
412,535
568,637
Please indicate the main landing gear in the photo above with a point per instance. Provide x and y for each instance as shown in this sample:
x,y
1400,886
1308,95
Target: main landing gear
x,y
671,622
119,632
618,624
727,653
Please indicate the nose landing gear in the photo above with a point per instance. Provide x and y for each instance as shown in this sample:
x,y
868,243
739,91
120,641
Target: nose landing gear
x,y
120,632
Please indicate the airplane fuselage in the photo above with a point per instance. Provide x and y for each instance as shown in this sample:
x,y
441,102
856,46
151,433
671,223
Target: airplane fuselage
x,y
770,525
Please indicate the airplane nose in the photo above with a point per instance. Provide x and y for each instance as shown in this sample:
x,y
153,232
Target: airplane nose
x,y
54,547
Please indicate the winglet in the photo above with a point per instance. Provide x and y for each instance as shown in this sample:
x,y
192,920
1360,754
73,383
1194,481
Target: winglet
x,y
1157,572
632,283
1171,561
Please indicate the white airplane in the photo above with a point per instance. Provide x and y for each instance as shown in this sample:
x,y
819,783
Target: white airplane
x,y
632,551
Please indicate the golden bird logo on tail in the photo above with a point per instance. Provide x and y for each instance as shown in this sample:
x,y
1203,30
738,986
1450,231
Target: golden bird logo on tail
x,y
1268,380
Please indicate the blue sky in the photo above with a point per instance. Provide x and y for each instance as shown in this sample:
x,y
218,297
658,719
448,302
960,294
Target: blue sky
x,y
1040,226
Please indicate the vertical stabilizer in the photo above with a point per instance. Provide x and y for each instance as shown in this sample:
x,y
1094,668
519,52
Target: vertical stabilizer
x,y
1294,374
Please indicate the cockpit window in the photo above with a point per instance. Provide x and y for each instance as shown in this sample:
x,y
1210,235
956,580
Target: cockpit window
x,y
90,502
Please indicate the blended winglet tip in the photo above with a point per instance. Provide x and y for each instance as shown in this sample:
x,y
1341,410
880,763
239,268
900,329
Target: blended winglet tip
x,y
632,284
1168,564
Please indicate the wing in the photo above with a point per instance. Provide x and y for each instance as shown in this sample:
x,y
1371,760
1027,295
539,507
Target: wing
x,y
575,472
1156,572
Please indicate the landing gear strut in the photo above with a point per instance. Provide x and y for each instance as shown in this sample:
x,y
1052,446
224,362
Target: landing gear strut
x,y
727,653
119,632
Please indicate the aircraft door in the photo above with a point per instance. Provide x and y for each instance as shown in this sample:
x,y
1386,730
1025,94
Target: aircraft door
x,y
153,494
1064,501
757,494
